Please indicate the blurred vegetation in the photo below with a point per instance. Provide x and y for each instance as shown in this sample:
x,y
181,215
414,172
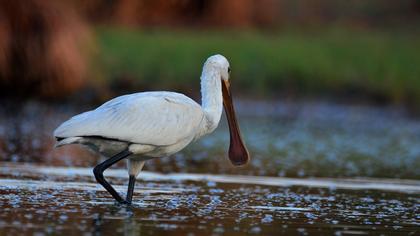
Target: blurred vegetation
x,y
382,66
364,50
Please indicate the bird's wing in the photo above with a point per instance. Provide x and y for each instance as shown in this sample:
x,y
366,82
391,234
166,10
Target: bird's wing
x,y
155,118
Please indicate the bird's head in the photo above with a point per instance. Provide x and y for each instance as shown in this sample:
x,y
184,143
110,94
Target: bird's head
x,y
238,153
219,63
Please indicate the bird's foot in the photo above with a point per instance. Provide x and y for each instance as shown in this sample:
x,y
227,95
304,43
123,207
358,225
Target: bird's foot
x,y
123,202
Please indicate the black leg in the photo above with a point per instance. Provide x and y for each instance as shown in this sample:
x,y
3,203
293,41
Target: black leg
x,y
130,190
98,171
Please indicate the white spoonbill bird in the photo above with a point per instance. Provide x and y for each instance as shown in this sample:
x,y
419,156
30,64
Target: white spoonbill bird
x,y
146,125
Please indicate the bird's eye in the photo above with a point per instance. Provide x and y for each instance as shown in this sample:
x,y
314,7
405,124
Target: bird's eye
x,y
228,69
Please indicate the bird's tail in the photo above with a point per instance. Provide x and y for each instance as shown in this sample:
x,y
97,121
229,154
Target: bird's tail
x,y
66,141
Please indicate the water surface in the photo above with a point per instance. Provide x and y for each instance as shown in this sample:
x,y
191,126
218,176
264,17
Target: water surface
x,y
316,167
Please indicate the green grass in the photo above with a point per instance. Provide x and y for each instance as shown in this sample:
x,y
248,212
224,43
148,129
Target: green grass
x,y
266,64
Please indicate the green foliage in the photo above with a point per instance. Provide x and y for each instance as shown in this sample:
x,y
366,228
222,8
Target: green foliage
x,y
311,63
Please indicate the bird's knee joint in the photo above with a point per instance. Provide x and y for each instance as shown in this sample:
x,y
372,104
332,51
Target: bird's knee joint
x,y
98,172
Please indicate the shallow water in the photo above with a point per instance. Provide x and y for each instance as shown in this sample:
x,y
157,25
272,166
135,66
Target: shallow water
x,y
316,168
43,200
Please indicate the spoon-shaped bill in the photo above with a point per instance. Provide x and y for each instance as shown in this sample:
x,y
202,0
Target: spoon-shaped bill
x,y
238,154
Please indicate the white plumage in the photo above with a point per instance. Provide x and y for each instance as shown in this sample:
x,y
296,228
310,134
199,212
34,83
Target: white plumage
x,y
153,118
146,125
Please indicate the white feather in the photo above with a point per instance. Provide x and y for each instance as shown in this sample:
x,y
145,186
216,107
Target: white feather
x,y
154,118
67,141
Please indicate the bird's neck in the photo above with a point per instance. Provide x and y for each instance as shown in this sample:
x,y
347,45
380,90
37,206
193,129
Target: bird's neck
x,y
211,99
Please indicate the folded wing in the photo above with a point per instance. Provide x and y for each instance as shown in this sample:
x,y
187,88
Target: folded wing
x,y
155,118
